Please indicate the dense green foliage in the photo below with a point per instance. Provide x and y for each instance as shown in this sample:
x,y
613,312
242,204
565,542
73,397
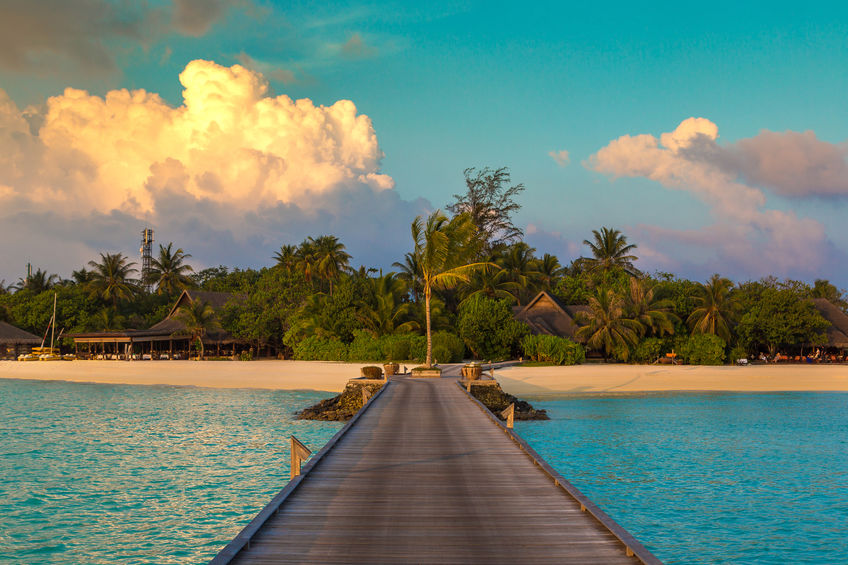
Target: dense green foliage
x,y
702,349
489,329
552,349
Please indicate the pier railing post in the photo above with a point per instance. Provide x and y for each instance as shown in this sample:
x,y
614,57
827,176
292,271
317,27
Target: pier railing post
x,y
509,414
366,396
299,454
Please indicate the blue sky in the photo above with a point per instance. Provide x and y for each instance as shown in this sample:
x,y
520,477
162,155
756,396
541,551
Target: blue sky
x,y
471,84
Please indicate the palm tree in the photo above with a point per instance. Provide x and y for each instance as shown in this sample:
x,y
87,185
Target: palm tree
x,y
410,272
37,282
81,276
388,314
605,325
305,258
548,269
169,272
715,308
286,257
655,315
330,258
110,279
491,283
442,247
199,318
519,262
610,250
106,320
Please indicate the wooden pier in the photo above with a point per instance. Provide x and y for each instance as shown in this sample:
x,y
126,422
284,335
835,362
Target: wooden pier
x,y
425,474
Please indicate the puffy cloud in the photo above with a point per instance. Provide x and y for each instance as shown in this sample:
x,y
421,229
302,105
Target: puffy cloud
x,y
747,236
240,168
560,157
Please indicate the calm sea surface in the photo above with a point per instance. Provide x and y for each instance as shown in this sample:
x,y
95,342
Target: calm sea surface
x,y
94,473
130,474
710,478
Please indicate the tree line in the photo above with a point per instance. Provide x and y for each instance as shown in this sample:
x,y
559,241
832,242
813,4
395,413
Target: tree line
x,y
452,295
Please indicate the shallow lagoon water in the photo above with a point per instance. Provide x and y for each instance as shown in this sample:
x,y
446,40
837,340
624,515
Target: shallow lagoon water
x,y
710,478
93,473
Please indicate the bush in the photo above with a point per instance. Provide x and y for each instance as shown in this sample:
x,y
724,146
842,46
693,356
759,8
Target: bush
x,y
315,348
246,356
553,349
736,353
702,349
649,350
489,330
398,350
365,348
450,347
371,372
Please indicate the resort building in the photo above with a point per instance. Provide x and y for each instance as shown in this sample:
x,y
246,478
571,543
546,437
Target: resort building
x,y
15,341
545,314
167,339
837,333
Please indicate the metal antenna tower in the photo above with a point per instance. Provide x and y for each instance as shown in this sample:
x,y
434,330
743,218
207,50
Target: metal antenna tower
x,y
146,251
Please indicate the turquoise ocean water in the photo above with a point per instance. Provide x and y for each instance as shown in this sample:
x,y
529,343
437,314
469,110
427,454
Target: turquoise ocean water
x,y
94,473
131,474
710,478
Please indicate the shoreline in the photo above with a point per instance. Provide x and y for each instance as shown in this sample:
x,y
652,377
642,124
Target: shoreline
x,y
536,382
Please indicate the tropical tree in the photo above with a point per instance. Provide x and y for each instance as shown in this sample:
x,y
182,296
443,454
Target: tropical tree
x,y
39,281
410,272
199,318
286,257
110,278
610,250
715,308
107,320
605,326
329,258
655,315
305,259
490,202
522,268
491,283
548,269
442,248
386,313
169,272
81,276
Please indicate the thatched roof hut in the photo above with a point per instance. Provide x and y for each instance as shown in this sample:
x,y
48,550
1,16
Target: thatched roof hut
x,y
10,335
837,333
545,314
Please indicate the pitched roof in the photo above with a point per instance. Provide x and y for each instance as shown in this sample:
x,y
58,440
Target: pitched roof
x,y
11,334
837,333
545,314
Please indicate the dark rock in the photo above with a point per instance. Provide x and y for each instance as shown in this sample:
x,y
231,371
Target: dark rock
x,y
496,400
339,408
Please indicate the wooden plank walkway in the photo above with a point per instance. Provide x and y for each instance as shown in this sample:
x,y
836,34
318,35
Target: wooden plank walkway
x,y
425,476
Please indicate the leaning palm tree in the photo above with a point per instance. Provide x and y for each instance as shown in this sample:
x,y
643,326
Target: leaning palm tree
x,y
110,279
442,247
609,250
605,326
199,319
716,308
169,272
655,315
330,258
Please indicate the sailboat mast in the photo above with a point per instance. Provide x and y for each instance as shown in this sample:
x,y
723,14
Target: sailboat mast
x,y
53,323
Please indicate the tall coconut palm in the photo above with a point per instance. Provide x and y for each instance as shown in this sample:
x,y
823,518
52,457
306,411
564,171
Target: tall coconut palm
x,y
442,248
609,250
605,326
110,278
655,315
330,258
37,282
286,258
492,283
387,313
199,319
305,259
522,267
715,308
548,268
169,272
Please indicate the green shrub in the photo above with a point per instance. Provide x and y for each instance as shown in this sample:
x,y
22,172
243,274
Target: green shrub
x,y
738,352
451,347
489,330
398,349
371,372
315,348
418,348
702,349
246,356
649,350
553,349
365,348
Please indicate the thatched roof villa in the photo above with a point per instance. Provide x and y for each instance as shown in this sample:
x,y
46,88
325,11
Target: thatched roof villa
x,y
15,341
837,333
546,314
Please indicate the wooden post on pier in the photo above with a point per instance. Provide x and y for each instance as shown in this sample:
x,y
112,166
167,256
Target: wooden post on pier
x,y
299,454
366,396
509,414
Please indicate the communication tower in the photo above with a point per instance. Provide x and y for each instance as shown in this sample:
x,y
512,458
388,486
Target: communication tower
x,y
146,251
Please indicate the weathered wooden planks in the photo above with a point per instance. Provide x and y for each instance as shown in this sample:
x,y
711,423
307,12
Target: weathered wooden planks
x,y
424,476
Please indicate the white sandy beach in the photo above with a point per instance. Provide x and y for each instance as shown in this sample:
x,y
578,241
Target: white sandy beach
x,y
520,381
549,381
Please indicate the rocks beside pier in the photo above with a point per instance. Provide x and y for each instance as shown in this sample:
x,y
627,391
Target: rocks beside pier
x,y
342,407
496,400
